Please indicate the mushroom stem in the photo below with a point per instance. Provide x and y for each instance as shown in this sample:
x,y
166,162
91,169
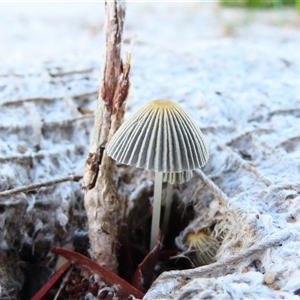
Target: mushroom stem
x,y
156,208
167,208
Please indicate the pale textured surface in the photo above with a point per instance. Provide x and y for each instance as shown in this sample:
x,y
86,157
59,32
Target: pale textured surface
x,y
235,72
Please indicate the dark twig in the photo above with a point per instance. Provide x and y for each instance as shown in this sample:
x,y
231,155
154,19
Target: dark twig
x,y
34,186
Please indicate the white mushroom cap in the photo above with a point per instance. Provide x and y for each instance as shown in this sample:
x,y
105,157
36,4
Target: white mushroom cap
x,y
160,136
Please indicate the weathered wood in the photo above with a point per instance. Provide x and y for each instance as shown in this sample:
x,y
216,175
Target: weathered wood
x,y
101,200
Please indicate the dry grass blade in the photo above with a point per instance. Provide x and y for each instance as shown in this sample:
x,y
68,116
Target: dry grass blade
x,y
34,186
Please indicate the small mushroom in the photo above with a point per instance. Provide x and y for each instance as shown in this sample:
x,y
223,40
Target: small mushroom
x,y
198,246
161,137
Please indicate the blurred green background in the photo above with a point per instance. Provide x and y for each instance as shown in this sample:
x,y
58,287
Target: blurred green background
x,y
262,3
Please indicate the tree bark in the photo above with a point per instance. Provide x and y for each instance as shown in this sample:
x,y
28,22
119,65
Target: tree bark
x,y
99,182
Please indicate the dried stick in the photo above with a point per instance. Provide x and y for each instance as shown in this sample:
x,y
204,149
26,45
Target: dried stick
x,y
34,186
99,181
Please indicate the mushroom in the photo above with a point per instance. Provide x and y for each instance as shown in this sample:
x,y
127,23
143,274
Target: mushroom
x,y
198,245
162,137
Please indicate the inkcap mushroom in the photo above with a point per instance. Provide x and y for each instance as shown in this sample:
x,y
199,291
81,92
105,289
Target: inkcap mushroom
x,y
198,245
160,136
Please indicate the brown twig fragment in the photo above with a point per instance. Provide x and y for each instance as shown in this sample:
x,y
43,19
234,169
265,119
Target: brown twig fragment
x,y
101,201
34,186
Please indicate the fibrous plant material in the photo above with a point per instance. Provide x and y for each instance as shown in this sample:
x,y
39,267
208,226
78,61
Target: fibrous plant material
x,y
216,269
101,201
212,187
